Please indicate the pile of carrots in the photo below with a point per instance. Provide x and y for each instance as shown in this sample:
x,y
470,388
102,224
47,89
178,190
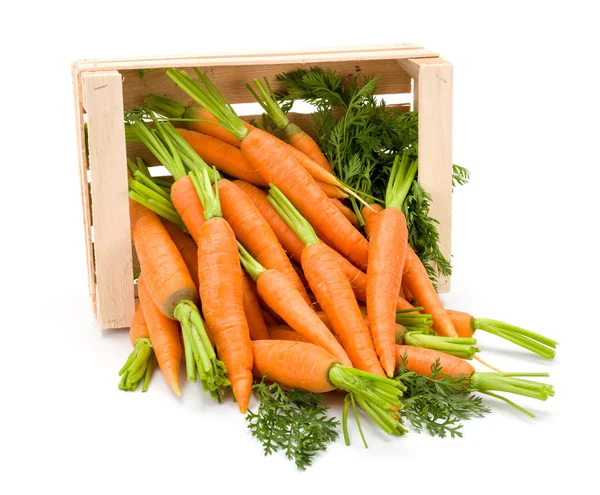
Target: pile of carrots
x,y
252,267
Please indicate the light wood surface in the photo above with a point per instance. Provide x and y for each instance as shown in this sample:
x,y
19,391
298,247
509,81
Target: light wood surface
x,y
84,185
297,56
103,102
434,82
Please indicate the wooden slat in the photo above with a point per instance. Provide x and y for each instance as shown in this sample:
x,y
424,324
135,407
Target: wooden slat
x,y
83,181
435,80
297,56
303,120
103,102
231,80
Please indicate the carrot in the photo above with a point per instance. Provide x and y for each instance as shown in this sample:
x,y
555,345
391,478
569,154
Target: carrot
x,y
253,231
465,326
279,293
287,130
278,163
164,335
331,288
387,252
269,318
424,361
416,280
173,292
254,316
285,235
186,247
223,156
186,202
407,293
222,293
312,368
348,213
138,365
283,332
175,109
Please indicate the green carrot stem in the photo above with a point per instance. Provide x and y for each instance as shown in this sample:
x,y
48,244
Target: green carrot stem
x,y
135,368
191,160
206,94
508,401
130,135
527,388
253,267
147,376
165,183
151,184
169,214
522,340
141,188
292,216
357,417
345,420
190,363
141,166
399,182
209,197
518,330
269,104
167,107
456,346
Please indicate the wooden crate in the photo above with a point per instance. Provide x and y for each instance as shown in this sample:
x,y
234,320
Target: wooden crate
x,y
103,88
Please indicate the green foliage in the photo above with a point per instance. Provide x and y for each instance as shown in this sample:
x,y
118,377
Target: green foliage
x,y
295,422
360,137
438,403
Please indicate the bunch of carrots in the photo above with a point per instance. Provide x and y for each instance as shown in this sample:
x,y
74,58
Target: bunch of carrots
x,y
254,270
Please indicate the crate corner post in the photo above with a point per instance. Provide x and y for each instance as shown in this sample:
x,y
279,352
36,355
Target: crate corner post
x,y
114,288
432,92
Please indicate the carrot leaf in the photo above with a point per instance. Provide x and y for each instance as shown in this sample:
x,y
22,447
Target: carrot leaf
x,y
295,422
438,403
138,367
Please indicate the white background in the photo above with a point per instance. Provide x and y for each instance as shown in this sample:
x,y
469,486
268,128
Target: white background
x,y
525,124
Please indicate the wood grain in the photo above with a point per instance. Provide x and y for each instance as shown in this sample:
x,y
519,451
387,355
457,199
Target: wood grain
x,y
435,82
103,102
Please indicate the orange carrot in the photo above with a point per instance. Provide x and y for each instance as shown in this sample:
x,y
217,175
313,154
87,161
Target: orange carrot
x,y
407,293
138,365
283,332
465,326
387,252
186,246
287,130
222,294
254,316
268,317
331,191
331,288
281,164
312,368
225,157
186,202
422,361
286,236
348,213
281,296
253,231
416,280
172,290
164,335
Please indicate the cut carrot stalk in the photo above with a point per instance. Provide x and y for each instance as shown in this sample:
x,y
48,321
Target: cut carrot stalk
x,y
331,288
138,366
465,326
279,293
423,361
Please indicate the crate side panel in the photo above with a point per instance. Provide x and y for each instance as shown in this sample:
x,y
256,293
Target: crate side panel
x,y
435,82
103,101
231,80
84,185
